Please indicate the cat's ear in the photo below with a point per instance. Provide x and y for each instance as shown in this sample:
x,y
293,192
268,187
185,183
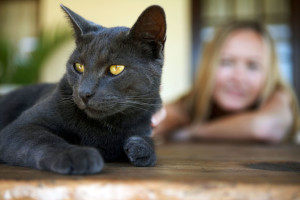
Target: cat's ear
x,y
151,25
80,25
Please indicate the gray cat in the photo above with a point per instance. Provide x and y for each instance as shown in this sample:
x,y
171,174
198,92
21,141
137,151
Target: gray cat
x,y
100,110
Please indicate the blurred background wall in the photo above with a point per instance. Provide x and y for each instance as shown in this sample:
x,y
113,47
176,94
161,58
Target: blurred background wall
x,y
40,25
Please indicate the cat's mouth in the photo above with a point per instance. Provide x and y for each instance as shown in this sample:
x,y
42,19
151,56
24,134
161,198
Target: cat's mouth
x,y
97,110
94,113
89,110
98,113
85,106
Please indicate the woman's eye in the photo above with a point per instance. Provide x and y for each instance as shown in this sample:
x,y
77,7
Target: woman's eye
x,y
79,67
227,62
253,66
116,69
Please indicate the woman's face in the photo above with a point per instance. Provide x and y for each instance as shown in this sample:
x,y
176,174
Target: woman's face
x,y
241,73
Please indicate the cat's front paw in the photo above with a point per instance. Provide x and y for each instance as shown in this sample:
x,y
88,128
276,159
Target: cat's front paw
x,y
77,160
139,152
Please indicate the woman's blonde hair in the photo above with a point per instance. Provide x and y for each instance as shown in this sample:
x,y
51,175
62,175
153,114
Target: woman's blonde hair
x,y
199,102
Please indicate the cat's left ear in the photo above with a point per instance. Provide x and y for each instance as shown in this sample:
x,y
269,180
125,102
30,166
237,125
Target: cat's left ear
x,y
80,25
151,26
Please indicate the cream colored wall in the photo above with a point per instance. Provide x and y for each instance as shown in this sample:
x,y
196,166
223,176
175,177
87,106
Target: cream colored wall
x,y
124,13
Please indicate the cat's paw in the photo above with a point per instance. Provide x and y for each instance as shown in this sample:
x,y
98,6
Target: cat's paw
x,y
77,160
139,152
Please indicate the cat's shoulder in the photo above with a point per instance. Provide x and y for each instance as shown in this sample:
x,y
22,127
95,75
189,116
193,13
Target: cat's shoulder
x,y
32,91
16,102
26,96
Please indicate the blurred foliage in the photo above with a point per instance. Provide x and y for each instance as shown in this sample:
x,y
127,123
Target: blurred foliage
x,y
17,69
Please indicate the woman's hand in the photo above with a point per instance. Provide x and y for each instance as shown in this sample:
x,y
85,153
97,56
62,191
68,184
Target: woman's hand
x,y
168,119
158,117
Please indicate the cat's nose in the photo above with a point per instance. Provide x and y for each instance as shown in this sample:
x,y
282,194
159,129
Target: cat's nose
x,y
85,95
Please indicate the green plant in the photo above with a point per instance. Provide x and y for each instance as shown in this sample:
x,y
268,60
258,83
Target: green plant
x,y
15,69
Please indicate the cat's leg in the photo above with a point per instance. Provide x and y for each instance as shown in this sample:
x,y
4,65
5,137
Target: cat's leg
x,y
140,151
36,147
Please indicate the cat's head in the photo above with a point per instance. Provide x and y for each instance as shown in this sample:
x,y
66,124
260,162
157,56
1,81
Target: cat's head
x,y
117,70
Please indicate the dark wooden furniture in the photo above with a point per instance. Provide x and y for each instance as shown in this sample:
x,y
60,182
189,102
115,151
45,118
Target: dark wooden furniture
x,y
184,171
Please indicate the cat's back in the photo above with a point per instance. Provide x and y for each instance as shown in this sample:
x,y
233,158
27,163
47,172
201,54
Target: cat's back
x,y
15,102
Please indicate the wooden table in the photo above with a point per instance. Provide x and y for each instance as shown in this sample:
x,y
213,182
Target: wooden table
x,y
184,171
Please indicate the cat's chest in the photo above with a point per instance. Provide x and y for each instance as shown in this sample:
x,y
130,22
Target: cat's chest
x,y
97,134
101,136
107,140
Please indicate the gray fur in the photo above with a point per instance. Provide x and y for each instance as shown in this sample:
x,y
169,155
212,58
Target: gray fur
x,y
74,126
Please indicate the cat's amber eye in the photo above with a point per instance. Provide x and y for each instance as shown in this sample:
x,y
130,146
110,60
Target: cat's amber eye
x,y
116,69
79,67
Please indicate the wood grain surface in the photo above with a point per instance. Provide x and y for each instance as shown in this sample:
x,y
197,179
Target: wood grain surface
x,y
209,171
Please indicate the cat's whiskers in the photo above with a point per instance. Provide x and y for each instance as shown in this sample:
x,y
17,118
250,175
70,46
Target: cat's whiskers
x,y
146,96
140,98
137,107
133,104
66,100
126,101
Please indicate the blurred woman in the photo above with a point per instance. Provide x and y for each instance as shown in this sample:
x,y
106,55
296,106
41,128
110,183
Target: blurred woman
x,y
238,93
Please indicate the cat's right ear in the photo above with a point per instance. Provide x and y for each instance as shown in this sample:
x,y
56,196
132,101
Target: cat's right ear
x,y
151,26
80,25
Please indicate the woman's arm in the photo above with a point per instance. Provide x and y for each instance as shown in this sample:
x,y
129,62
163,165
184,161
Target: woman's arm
x,y
170,118
269,124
